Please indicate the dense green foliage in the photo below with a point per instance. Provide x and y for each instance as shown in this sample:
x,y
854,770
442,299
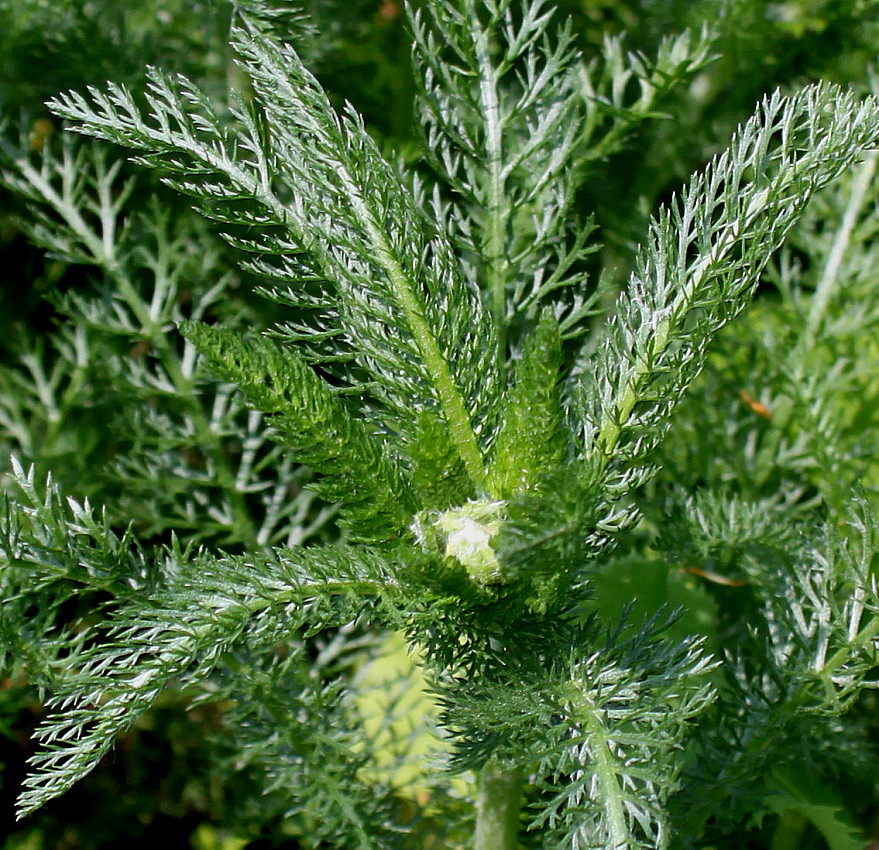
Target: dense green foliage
x,y
466,472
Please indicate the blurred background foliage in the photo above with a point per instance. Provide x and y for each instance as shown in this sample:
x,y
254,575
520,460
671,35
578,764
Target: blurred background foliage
x,y
158,786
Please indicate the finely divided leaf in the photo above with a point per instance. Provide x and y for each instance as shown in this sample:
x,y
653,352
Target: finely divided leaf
x,y
183,632
704,257
310,419
501,117
532,441
437,472
617,754
321,205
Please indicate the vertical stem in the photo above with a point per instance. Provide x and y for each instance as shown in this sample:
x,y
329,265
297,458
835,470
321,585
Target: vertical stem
x,y
607,773
828,285
497,807
496,203
788,833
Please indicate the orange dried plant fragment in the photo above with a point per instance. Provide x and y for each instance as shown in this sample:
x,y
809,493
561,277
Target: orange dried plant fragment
x,y
756,406
389,11
41,131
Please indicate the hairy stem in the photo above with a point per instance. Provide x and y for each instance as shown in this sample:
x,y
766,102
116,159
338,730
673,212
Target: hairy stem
x,y
611,798
497,807
496,224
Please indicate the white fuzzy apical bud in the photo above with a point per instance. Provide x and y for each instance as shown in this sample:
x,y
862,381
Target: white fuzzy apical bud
x,y
465,534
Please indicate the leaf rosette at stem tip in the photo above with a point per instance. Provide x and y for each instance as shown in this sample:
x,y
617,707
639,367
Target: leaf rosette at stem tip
x,y
525,550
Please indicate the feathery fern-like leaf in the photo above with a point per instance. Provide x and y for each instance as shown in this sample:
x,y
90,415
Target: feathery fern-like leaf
x,y
703,260
312,186
183,632
501,119
357,468
532,440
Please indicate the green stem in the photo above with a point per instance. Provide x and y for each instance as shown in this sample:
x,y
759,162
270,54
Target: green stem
x,y
606,772
497,807
496,264
829,283
449,396
789,831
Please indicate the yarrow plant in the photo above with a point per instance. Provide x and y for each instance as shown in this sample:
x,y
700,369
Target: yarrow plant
x,y
623,640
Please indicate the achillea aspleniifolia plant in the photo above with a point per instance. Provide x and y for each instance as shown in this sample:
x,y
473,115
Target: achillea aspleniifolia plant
x,y
491,425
